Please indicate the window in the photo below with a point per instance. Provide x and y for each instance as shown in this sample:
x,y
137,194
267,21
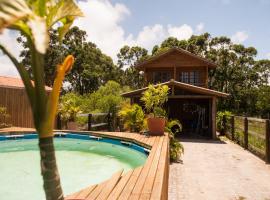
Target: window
x,y
184,77
192,77
160,77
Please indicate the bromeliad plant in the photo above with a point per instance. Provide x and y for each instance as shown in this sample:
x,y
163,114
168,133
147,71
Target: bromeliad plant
x,y
33,19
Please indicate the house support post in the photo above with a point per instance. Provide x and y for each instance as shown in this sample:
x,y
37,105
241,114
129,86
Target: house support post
x,y
214,113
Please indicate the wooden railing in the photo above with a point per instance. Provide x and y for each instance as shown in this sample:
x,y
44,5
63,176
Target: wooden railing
x,y
251,133
91,123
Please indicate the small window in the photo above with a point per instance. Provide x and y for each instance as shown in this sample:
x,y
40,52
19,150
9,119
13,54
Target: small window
x,y
184,77
160,77
192,77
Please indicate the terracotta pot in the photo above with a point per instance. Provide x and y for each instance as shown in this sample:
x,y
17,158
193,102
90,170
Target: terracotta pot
x,y
71,126
156,125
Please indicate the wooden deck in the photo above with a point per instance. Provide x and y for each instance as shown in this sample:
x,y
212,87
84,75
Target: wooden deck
x,y
149,181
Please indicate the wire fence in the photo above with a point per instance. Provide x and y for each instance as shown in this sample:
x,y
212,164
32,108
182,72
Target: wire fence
x,y
251,133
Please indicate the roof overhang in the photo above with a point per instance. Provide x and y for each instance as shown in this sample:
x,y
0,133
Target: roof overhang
x,y
184,86
207,62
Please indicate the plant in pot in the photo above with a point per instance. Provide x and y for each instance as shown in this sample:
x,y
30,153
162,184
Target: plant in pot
x,y
69,107
154,99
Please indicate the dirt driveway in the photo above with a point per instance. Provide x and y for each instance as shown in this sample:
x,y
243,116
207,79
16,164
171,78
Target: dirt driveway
x,y
215,170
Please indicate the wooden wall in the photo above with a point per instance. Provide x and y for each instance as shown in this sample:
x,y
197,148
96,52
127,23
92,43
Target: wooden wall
x,y
18,107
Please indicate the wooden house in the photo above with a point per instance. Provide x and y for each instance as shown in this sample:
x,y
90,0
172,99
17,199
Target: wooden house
x,y
14,98
190,100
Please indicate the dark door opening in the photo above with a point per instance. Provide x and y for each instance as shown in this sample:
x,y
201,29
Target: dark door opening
x,y
193,114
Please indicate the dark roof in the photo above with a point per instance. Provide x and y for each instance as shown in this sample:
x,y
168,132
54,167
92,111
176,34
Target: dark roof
x,y
193,88
12,82
180,50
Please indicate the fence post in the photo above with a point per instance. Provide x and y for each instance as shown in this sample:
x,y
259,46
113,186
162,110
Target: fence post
x,y
267,141
246,133
224,122
58,122
89,122
232,126
109,121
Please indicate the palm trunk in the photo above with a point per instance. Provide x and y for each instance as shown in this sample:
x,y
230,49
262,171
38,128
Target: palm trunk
x,y
49,171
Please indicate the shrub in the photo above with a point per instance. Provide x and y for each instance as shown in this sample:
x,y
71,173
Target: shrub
x,y
4,114
220,122
69,106
176,148
132,116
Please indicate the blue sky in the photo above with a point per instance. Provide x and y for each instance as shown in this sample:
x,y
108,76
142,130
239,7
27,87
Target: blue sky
x,y
220,17
114,23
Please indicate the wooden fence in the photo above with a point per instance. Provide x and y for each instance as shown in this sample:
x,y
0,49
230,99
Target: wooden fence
x,y
18,107
251,133
94,121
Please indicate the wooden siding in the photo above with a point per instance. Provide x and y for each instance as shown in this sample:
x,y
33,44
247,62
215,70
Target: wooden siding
x,y
18,107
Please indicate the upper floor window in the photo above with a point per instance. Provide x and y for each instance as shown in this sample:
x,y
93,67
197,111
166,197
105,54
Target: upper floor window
x,y
162,76
191,77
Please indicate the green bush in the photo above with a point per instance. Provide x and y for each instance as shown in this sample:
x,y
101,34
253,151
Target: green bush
x,y
220,122
69,106
176,148
132,116
4,114
154,98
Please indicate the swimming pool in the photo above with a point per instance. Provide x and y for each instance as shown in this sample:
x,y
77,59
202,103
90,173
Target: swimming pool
x,y
82,161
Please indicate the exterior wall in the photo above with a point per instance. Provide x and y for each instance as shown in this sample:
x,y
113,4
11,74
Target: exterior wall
x,y
175,63
18,107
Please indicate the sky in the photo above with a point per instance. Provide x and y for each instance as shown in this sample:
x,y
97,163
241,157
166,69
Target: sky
x,y
112,24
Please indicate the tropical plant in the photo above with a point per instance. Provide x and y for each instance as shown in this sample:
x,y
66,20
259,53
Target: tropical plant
x,y
33,19
220,120
4,115
69,106
154,98
132,116
176,148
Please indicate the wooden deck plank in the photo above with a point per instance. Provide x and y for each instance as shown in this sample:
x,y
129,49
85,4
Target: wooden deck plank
x,y
130,184
120,186
148,185
161,172
147,169
94,194
110,184
85,192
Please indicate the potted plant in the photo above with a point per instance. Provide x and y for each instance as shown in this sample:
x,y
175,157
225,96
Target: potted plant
x,y
154,99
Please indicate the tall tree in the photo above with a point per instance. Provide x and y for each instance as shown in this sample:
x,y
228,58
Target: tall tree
x,y
128,57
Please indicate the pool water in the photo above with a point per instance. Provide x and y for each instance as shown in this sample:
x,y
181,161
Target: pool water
x,y
80,163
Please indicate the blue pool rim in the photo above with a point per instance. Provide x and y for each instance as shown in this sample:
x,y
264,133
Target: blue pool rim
x,y
89,136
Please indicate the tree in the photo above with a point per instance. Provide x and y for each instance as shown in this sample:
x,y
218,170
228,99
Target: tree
x,y
263,104
33,19
128,57
91,69
55,54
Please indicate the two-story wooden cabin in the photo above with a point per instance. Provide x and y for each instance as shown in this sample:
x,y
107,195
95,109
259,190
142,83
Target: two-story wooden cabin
x,y
190,100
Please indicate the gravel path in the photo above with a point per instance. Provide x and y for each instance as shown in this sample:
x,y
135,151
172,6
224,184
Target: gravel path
x,y
215,170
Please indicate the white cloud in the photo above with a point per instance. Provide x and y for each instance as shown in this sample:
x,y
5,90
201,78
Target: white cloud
x,y
239,37
102,24
268,55
200,27
181,32
8,39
